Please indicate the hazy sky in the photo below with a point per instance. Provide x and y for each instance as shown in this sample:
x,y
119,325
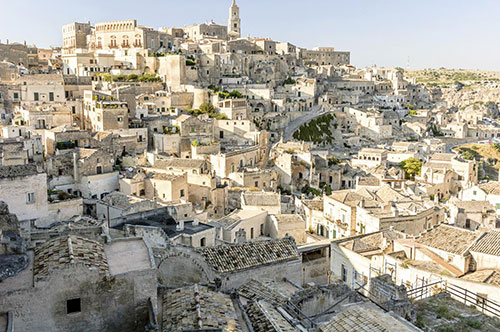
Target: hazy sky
x,y
432,33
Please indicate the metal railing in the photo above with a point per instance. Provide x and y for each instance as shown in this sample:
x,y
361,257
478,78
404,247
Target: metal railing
x,y
481,303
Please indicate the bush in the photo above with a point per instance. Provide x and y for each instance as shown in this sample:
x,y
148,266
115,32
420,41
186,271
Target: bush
x,y
443,312
467,155
475,324
132,78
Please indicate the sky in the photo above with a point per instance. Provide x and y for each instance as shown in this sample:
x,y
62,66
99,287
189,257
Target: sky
x,y
413,34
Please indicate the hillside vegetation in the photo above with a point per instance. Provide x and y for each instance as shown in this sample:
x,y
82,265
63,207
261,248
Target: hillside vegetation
x,y
446,77
319,130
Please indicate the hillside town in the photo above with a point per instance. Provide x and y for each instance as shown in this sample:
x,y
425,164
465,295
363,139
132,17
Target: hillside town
x,y
193,179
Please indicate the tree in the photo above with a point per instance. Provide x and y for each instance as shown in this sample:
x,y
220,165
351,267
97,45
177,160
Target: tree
x,y
207,108
411,166
235,94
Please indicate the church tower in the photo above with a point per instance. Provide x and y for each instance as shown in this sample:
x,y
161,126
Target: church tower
x,y
234,23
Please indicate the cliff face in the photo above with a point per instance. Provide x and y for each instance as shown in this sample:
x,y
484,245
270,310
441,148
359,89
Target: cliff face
x,y
483,98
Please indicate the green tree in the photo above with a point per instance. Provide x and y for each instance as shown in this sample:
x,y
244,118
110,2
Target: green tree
x,y
207,108
235,94
411,166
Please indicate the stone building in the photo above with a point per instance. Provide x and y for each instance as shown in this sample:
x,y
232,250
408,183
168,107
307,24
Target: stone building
x,y
24,189
233,265
75,36
71,280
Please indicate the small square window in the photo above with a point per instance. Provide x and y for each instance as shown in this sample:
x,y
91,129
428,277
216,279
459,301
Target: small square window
x,y
73,305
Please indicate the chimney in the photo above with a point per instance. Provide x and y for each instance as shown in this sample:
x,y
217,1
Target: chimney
x,y
196,222
394,209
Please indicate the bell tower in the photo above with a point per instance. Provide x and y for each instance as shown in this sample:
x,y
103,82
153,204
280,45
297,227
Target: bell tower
x,y
234,22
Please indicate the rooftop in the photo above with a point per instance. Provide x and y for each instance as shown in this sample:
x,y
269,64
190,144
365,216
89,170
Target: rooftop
x,y
169,225
488,243
239,257
314,204
179,163
233,219
489,276
18,171
491,188
261,198
448,238
366,317
196,308
64,250
266,318
257,290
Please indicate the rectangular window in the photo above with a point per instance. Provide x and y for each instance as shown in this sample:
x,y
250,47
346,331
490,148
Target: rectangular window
x,y
344,273
36,96
182,192
251,233
51,96
73,306
30,198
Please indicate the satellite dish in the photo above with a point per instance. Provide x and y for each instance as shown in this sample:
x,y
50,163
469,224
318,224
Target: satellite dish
x,y
112,160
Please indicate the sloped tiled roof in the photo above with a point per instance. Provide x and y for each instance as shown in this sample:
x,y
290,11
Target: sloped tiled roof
x,y
64,250
488,244
365,318
238,257
265,318
447,238
196,308
489,276
492,188
256,290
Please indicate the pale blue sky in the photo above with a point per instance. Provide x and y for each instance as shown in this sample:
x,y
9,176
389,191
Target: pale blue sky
x,y
433,33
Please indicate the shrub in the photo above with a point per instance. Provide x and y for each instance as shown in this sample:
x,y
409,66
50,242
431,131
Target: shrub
x,y
475,324
467,155
132,78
